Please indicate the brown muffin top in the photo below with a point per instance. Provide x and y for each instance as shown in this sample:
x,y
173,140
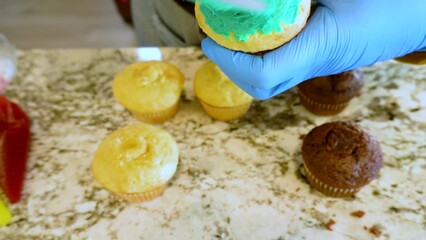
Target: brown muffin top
x,y
342,155
334,88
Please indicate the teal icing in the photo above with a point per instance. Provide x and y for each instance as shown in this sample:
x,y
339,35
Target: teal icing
x,y
224,19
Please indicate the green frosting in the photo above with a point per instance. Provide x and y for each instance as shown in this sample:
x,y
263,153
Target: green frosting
x,y
224,19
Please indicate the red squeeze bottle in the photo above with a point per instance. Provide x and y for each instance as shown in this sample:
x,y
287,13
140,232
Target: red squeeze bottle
x,y
14,148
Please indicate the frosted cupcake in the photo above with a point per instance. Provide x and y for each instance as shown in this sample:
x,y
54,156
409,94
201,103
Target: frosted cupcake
x,y
219,96
340,158
136,162
252,31
150,90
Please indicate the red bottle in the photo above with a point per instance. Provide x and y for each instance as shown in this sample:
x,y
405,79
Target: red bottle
x,y
14,148
124,8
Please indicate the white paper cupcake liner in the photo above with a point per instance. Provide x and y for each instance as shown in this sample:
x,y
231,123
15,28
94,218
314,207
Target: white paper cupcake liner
x,y
159,116
226,113
327,189
142,196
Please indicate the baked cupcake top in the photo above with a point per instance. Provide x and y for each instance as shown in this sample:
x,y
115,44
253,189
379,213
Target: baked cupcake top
x,y
342,155
335,88
239,23
135,158
212,86
148,86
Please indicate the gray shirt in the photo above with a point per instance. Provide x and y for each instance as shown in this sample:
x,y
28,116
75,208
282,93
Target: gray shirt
x,y
164,23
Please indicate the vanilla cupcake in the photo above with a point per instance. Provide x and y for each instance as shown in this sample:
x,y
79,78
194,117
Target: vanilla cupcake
x,y
219,96
136,162
150,90
252,31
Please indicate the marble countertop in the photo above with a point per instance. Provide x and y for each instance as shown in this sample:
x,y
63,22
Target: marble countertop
x,y
237,180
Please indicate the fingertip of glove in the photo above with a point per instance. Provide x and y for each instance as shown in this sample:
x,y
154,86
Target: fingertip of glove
x,y
206,45
258,94
206,42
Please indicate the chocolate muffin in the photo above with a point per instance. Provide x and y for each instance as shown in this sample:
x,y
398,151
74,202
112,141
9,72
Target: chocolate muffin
x,y
340,158
330,95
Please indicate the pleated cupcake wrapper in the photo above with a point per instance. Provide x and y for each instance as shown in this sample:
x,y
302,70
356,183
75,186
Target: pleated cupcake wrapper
x,y
327,189
159,116
321,108
226,113
142,196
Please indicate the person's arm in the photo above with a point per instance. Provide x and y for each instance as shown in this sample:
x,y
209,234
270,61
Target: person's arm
x,y
339,36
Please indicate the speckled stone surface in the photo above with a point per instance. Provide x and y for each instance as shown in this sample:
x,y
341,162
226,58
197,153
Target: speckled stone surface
x,y
238,180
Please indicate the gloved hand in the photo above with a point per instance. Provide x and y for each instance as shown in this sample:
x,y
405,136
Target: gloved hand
x,y
341,35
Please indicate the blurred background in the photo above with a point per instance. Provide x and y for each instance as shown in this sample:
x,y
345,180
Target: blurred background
x,y
67,23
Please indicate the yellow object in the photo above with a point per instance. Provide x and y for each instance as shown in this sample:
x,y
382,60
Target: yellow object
x,y
258,42
150,90
5,215
220,97
417,58
226,113
136,162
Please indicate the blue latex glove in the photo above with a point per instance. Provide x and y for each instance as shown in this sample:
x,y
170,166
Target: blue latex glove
x,y
341,35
